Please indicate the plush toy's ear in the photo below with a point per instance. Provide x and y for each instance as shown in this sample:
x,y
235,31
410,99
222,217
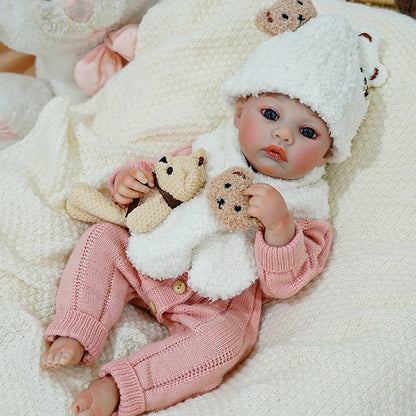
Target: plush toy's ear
x,y
374,71
242,173
201,156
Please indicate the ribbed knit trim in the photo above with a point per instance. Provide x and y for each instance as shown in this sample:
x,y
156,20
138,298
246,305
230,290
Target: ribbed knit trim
x,y
85,329
131,394
280,259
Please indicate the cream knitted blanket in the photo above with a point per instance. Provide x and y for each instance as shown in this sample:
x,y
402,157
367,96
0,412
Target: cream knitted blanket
x,y
344,346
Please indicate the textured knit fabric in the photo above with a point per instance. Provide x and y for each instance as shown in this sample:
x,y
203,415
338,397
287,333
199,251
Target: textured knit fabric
x,y
343,346
207,339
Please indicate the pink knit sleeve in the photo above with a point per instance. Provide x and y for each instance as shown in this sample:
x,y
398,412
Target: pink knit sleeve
x,y
284,271
145,164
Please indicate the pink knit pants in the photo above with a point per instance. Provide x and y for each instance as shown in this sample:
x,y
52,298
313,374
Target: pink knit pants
x,y
207,339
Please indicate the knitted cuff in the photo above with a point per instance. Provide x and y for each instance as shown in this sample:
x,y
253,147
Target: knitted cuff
x,y
280,259
131,393
85,329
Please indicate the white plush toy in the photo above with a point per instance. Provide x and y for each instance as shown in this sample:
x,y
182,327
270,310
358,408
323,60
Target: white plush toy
x,y
59,33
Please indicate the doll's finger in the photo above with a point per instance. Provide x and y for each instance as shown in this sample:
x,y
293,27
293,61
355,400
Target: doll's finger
x,y
131,186
122,200
255,201
131,194
255,189
150,178
143,177
253,212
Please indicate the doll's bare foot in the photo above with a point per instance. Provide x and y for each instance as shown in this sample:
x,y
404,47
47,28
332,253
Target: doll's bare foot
x,y
64,351
99,399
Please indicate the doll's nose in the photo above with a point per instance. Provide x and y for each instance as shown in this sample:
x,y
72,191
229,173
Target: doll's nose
x,y
79,11
284,132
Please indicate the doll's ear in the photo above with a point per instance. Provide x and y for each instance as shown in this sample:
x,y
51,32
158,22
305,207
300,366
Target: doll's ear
x,y
239,111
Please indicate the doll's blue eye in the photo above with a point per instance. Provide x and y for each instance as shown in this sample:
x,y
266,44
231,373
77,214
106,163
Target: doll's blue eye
x,y
308,132
270,114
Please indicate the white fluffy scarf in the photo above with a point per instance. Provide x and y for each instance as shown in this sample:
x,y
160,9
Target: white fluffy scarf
x,y
220,263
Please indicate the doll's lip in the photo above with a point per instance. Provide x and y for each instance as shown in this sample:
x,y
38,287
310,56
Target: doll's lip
x,y
276,152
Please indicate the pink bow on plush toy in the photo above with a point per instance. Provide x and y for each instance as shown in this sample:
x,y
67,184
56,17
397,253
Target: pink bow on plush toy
x,y
107,58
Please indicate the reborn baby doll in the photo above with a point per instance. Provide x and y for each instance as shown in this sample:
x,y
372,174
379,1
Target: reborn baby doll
x,y
299,101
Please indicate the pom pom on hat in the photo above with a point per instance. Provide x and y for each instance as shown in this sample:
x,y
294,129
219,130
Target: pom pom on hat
x,y
320,65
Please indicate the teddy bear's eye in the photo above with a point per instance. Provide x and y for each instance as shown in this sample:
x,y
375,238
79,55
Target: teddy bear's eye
x,y
299,2
227,185
285,16
237,208
201,161
169,170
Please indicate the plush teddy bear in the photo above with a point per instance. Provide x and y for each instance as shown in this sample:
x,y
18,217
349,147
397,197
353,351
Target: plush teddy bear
x,y
227,201
285,15
58,33
177,180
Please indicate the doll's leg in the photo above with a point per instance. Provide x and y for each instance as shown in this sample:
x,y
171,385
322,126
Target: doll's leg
x,y
93,291
192,361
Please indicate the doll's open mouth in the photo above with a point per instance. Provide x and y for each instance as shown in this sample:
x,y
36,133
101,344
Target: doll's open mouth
x,y
276,152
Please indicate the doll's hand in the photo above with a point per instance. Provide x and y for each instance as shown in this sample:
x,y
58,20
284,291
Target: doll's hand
x,y
132,184
267,205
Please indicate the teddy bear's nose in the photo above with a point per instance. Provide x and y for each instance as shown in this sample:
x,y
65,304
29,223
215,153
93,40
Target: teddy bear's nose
x,y
79,10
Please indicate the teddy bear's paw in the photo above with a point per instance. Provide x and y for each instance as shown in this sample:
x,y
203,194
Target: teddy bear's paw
x,y
87,204
227,201
285,15
151,211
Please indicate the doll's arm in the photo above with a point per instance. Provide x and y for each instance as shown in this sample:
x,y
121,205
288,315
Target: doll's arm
x,y
284,271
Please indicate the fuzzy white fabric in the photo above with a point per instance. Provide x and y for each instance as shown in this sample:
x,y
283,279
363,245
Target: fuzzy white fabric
x,y
321,57
221,264
344,345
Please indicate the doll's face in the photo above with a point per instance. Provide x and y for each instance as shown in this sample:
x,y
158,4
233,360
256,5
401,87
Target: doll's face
x,y
280,137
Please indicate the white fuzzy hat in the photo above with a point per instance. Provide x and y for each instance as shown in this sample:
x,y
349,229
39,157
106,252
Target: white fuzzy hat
x,y
321,65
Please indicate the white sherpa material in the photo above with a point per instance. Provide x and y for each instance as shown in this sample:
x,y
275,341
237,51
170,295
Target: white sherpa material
x,y
344,346
320,65
221,264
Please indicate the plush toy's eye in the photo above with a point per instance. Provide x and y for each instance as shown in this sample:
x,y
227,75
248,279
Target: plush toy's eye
x,y
201,161
169,170
227,185
285,16
237,208
299,2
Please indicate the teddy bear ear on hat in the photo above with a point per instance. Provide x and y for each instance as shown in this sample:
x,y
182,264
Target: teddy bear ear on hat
x,y
373,70
285,15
